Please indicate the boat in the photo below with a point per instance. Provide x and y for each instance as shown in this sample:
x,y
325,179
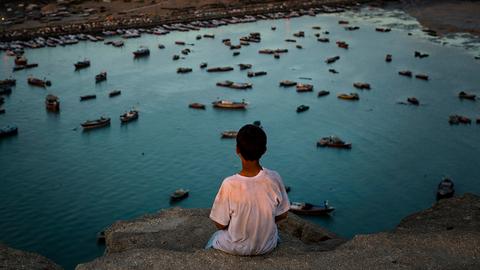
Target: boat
x,y
332,60
351,96
118,43
303,208
102,76
8,82
5,90
334,71
322,93
91,124
324,40
230,134
234,85
343,22
351,28
445,189
290,40
87,97
458,119
82,64
245,66
129,116
226,104
303,87
141,52
219,69
183,70
2,110
299,46
388,58
161,46
20,61
185,51
413,101
465,95
383,30
478,120
203,65
406,73
361,85
420,55
257,123
175,57
333,141
256,74
9,130
342,44
181,43
422,77
287,83
302,108
114,93
196,105
179,194
38,82
52,103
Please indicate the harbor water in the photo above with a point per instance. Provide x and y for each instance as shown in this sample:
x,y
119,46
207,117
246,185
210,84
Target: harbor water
x,y
60,185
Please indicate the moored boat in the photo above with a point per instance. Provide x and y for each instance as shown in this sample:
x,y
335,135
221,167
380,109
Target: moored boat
x,y
303,87
322,93
219,69
302,108
5,90
388,58
342,44
179,194
8,82
9,130
87,97
184,70
458,119
332,59
129,116
420,54
38,82
382,29
203,65
422,77
52,103
287,83
303,208
82,64
333,141
197,105
413,101
256,74
98,123
226,104
361,85
20,61
465,95
351,96
141,52
229,134
102,76
445,189
234,85
244,66
406,73
114,93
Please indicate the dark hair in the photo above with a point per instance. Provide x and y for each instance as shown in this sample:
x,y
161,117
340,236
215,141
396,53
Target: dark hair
x,y
251,142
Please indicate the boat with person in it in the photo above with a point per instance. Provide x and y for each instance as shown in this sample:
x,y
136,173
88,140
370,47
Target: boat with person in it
x,y
227,104
98,123
102,76
304,208
129,116
82,64
333,141
52,103
141,52
445,189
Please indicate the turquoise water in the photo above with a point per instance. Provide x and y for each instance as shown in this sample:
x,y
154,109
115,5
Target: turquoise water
x,y
60,186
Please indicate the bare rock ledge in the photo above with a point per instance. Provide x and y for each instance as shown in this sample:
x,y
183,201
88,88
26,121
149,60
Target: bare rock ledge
x,y
446,236
16,259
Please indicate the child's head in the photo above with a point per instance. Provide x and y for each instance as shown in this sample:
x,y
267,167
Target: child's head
x,y
251,142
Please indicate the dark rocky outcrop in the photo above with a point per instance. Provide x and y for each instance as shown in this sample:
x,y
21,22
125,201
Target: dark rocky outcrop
x,y
446,236
15,259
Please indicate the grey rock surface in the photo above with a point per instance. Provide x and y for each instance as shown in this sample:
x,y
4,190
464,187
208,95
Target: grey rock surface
x,y
174,239
16,259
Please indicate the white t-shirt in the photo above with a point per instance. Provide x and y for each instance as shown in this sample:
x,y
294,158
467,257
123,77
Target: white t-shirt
x,y
248,205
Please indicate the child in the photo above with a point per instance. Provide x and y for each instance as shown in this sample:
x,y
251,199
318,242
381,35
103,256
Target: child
x,y
250,203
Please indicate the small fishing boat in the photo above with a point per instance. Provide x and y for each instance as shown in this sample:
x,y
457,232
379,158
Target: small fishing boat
x,y
465,95
383,30
20,61
230,134
245,66
38,82
236,53
276,55
361,85
203,65
351,28
422,77
118,43
8,82
333,141
299,46
102,76
406,73
99,123
445,189
52,103
302,108
388,58
413,101
179,194
458,119
219,69
197,106
129,116
234,85
323,40
303,208
185,51
420,54
5,90
334,71
342,44
303,87
287,83
183,70
161,46
256,74
141,52
343,22
175,57
114,93
2,110
181,43
257,123
82,64
226,104
332,59
351,96
87,97
9,130
323,93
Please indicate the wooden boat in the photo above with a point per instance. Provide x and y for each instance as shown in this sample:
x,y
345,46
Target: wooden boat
x,y
333,141
141,52
388,58
445,189
20,61
465,95
334,71
323,40
303,87
183,70
197,106
102,76
420,55
299,46
245,66
175,57
383,30
118,43
226,104
458,119
22,67
38,82
161,46
299,34
114,93
413,101
316,27
236,53
302,108
303,208
351,28
52,103
422,77
87,97
203,65
351,96
5,90
290,40
9,130
343,22
99,123
287,83
478,120
273,28
323,93
406,73
230,134
342,44
208,35
234,85
185,51
179,194
361,85
256,74
219,69
129,116
8,82
332,60
181,43
276,56
82,64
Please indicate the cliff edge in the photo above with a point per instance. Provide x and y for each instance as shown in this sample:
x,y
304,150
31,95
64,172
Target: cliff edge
x,y
446,236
